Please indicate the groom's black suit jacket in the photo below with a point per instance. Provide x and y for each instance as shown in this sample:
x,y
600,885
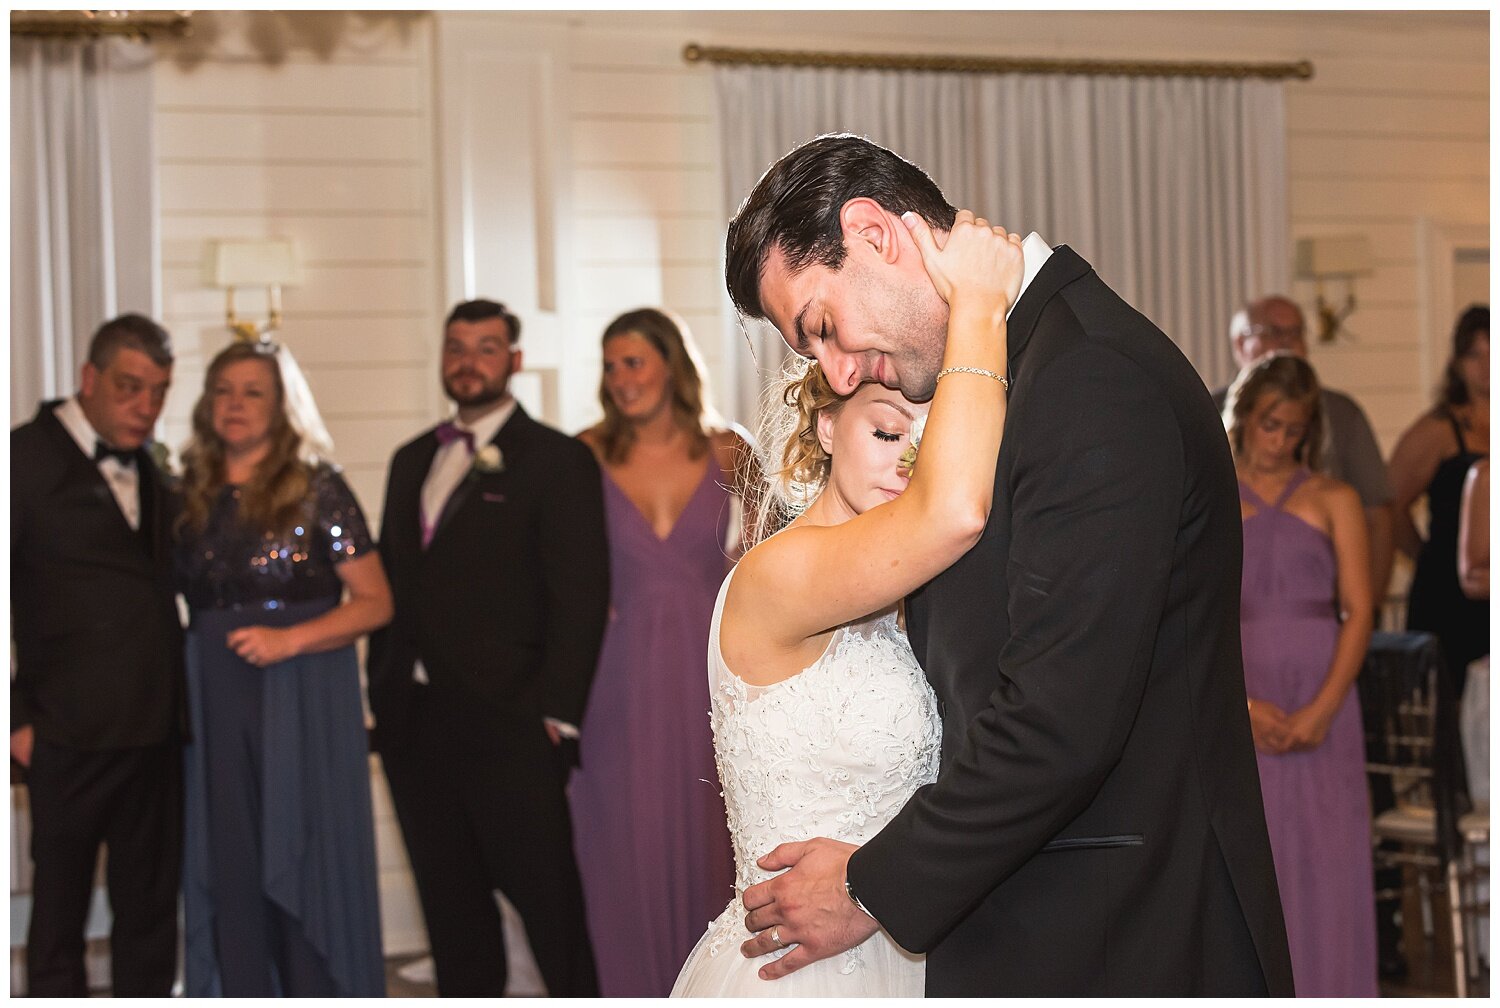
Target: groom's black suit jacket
x,y
1096,827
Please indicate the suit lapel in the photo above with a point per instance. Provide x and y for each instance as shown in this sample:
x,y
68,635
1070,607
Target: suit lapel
x,y
151,505
451,506
413,477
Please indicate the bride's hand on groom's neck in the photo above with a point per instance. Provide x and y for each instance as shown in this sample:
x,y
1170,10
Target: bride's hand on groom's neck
x,y
976,263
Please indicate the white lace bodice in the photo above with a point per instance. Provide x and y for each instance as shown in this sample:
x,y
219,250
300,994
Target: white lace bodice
x,y
834,751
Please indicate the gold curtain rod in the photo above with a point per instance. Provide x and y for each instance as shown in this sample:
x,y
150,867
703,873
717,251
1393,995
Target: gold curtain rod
x,y
726,56
92,24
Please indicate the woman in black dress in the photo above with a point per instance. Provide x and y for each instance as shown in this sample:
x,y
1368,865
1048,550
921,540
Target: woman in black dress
x,y
1432,459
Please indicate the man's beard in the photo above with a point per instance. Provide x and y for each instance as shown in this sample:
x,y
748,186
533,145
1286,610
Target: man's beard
x,y
919,381
917,368
916,322
487,394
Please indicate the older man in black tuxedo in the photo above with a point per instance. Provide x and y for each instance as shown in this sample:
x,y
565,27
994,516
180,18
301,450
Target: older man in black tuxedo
x,y
97,699
493,537
1096,827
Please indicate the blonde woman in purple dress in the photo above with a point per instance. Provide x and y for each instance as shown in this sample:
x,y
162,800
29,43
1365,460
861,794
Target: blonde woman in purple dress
x,y
1305,621
649,826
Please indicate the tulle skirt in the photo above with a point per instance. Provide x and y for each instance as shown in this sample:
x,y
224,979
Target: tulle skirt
x,y
877,968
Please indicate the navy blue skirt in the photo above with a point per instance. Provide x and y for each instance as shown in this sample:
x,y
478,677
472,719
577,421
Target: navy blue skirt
x,y
301,725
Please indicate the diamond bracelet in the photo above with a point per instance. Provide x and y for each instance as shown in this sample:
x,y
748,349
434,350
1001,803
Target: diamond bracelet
x,y
974,370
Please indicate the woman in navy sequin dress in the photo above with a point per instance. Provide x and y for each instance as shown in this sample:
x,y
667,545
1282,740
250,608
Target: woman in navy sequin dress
x,y
281,578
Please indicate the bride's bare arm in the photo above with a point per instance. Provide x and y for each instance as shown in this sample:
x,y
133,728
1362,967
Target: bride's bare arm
x,y
810,578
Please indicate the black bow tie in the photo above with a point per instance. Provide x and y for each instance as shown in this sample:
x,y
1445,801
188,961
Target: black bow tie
x,y
102,451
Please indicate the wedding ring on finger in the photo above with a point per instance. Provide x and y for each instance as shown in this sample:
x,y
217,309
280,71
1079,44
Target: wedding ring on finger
x,y
776,937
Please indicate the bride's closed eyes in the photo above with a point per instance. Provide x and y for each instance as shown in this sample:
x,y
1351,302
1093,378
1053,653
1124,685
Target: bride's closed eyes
x,y
890,422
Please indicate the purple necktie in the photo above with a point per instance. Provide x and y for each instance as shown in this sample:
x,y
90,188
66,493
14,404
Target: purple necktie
x,y
449,432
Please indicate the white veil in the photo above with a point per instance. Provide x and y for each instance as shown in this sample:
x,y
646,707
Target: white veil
x,y
301,408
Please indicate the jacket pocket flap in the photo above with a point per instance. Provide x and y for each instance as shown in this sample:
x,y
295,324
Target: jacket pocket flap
x,y
1095,842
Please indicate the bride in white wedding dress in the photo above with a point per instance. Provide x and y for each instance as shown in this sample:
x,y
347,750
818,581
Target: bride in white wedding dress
x,y
823,722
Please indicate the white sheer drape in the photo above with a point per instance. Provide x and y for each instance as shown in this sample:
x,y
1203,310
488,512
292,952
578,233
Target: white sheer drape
x,y
1174,188
83,231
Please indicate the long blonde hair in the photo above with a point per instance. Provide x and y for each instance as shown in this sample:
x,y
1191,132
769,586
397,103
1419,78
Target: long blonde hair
x,y
273,499
669,336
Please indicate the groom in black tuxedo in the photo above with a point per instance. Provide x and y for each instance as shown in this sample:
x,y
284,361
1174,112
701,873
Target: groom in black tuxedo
x,y
1096,827
96,703
493,537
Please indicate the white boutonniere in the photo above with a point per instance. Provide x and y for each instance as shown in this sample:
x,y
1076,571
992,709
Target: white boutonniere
x,y
488,460
908,459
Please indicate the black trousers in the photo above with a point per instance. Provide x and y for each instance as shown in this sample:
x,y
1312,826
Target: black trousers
x,y
129,800
475,822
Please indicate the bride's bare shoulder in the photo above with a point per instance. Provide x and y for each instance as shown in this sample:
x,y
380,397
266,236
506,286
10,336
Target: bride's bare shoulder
x,y
758,635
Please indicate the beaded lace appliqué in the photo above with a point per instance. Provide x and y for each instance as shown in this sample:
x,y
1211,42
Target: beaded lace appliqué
x,y
834,751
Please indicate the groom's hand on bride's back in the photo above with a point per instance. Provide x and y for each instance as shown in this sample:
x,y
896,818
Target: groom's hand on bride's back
x,y
806,906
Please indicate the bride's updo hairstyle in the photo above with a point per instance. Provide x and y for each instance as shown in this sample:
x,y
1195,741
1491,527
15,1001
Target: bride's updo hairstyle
x,y
794,479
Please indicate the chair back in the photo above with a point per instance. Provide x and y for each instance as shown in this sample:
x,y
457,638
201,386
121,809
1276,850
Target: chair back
x,y
1412,750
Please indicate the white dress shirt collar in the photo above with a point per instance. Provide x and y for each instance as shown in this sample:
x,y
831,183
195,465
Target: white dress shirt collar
x,y
70,414
1034,252
486,427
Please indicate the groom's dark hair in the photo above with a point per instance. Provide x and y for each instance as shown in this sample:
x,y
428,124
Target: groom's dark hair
x,y
795,207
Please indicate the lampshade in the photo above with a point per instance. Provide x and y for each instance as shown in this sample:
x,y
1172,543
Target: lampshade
x,y
1347,255
258,263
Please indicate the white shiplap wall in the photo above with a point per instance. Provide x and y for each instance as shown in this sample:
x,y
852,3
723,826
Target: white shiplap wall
x,y
335,153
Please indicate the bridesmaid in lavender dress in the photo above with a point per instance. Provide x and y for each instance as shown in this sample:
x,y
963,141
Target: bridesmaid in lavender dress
x,y
1305,564
649,825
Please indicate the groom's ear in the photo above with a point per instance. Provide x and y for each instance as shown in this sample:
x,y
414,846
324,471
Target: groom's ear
x,y
867,223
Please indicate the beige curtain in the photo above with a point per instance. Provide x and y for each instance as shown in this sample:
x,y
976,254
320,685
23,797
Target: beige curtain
x,y
1174,188
83,231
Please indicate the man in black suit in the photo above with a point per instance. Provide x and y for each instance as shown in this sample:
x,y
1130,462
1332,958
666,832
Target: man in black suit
x,y
96,702
1096,828
493,537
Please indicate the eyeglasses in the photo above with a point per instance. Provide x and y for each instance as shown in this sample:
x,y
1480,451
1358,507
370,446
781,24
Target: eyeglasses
x,y
1276,331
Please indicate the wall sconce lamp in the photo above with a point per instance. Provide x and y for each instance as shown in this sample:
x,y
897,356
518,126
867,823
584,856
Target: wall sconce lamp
x,y
1330,259
267,262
